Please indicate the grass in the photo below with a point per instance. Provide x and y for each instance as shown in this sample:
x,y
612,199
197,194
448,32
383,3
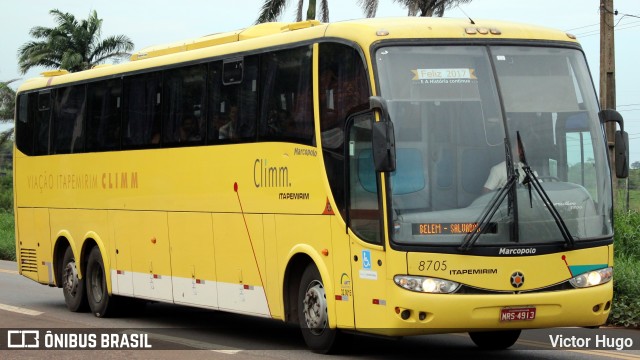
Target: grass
x,y
626,287
7,237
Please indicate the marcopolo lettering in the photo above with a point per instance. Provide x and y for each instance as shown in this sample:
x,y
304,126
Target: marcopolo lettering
x,y
517,251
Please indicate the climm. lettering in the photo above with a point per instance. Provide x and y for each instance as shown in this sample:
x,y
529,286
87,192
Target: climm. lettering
x,y
265,176
120,180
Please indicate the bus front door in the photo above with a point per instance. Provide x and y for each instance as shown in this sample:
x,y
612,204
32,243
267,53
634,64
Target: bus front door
x,y
368,263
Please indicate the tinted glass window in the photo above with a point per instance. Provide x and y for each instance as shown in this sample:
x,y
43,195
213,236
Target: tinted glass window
x,y
184,94
24,126
68,120
343,89
287,98
104,116
216,118
141,126
234,107
41,117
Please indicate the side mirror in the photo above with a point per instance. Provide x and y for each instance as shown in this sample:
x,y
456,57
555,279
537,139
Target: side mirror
x,y
383,138
622,154
608,115
621,145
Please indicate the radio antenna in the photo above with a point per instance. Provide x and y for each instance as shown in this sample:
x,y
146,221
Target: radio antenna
x,y
465,14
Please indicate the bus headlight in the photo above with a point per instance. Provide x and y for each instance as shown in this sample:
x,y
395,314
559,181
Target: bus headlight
x,y
426,284
592,278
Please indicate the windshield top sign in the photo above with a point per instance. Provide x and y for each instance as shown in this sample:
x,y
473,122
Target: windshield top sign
x,y
433,74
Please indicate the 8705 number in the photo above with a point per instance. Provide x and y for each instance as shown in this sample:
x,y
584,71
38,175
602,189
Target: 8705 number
x,y
432,265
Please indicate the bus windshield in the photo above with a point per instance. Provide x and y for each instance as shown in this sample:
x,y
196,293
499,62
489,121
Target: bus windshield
x,y
456,112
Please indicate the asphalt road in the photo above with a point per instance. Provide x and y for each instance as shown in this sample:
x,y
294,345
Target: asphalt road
x,y
27,308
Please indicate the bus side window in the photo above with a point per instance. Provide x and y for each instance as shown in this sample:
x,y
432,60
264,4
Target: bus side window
x,y
364,211
248,101
287,109
104,116
141,125
214,115
234,104
68,120
41,118
184,91
343,89
24,124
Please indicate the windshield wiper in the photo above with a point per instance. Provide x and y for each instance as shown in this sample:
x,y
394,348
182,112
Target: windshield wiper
x,y
531,180
492,207
487,214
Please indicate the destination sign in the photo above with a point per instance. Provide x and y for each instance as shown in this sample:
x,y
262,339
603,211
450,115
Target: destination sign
x,y
448,228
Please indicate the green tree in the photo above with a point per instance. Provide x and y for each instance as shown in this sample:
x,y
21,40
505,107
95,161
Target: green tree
x,y
72,45
7,101
272,9
415,7
7,111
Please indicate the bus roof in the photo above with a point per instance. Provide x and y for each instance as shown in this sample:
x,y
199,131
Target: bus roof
x,y
362,31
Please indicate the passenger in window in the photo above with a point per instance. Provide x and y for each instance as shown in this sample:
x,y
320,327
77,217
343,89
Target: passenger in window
x,y
189,131
228,130
278,122
498,174
155,137
331,126
339,100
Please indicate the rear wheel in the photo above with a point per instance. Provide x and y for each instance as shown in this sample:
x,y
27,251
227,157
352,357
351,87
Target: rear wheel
x,y
495,340
312,312
73,288
97,294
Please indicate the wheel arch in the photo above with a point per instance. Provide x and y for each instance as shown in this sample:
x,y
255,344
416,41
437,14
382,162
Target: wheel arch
x,y
61,245
94,240
299,259
65,240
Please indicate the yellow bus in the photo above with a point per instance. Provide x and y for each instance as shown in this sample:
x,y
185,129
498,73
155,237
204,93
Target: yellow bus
x,y
385,176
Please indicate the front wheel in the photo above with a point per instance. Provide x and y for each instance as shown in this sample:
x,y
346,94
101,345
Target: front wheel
x,y
97,294
72,286
495,340
312,312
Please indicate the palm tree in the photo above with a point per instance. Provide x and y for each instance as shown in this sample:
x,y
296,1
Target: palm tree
x,y
72,45
272,9
415,7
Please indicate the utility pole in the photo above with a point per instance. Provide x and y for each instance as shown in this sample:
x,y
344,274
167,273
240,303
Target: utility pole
x,y
608,78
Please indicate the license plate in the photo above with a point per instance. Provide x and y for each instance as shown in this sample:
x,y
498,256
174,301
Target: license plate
x,y
517,314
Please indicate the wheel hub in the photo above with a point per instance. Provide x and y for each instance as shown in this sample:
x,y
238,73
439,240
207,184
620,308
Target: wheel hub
x,y
71,278
315,308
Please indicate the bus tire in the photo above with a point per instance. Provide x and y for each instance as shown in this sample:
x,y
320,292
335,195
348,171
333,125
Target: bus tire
x,y
495,340
96,282
313,314
73,288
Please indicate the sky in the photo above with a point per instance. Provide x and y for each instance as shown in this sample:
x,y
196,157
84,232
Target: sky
x,y
153,22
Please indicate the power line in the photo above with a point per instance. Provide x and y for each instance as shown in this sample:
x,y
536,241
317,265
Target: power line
x,y
629,27
598,32
582,27
616,12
